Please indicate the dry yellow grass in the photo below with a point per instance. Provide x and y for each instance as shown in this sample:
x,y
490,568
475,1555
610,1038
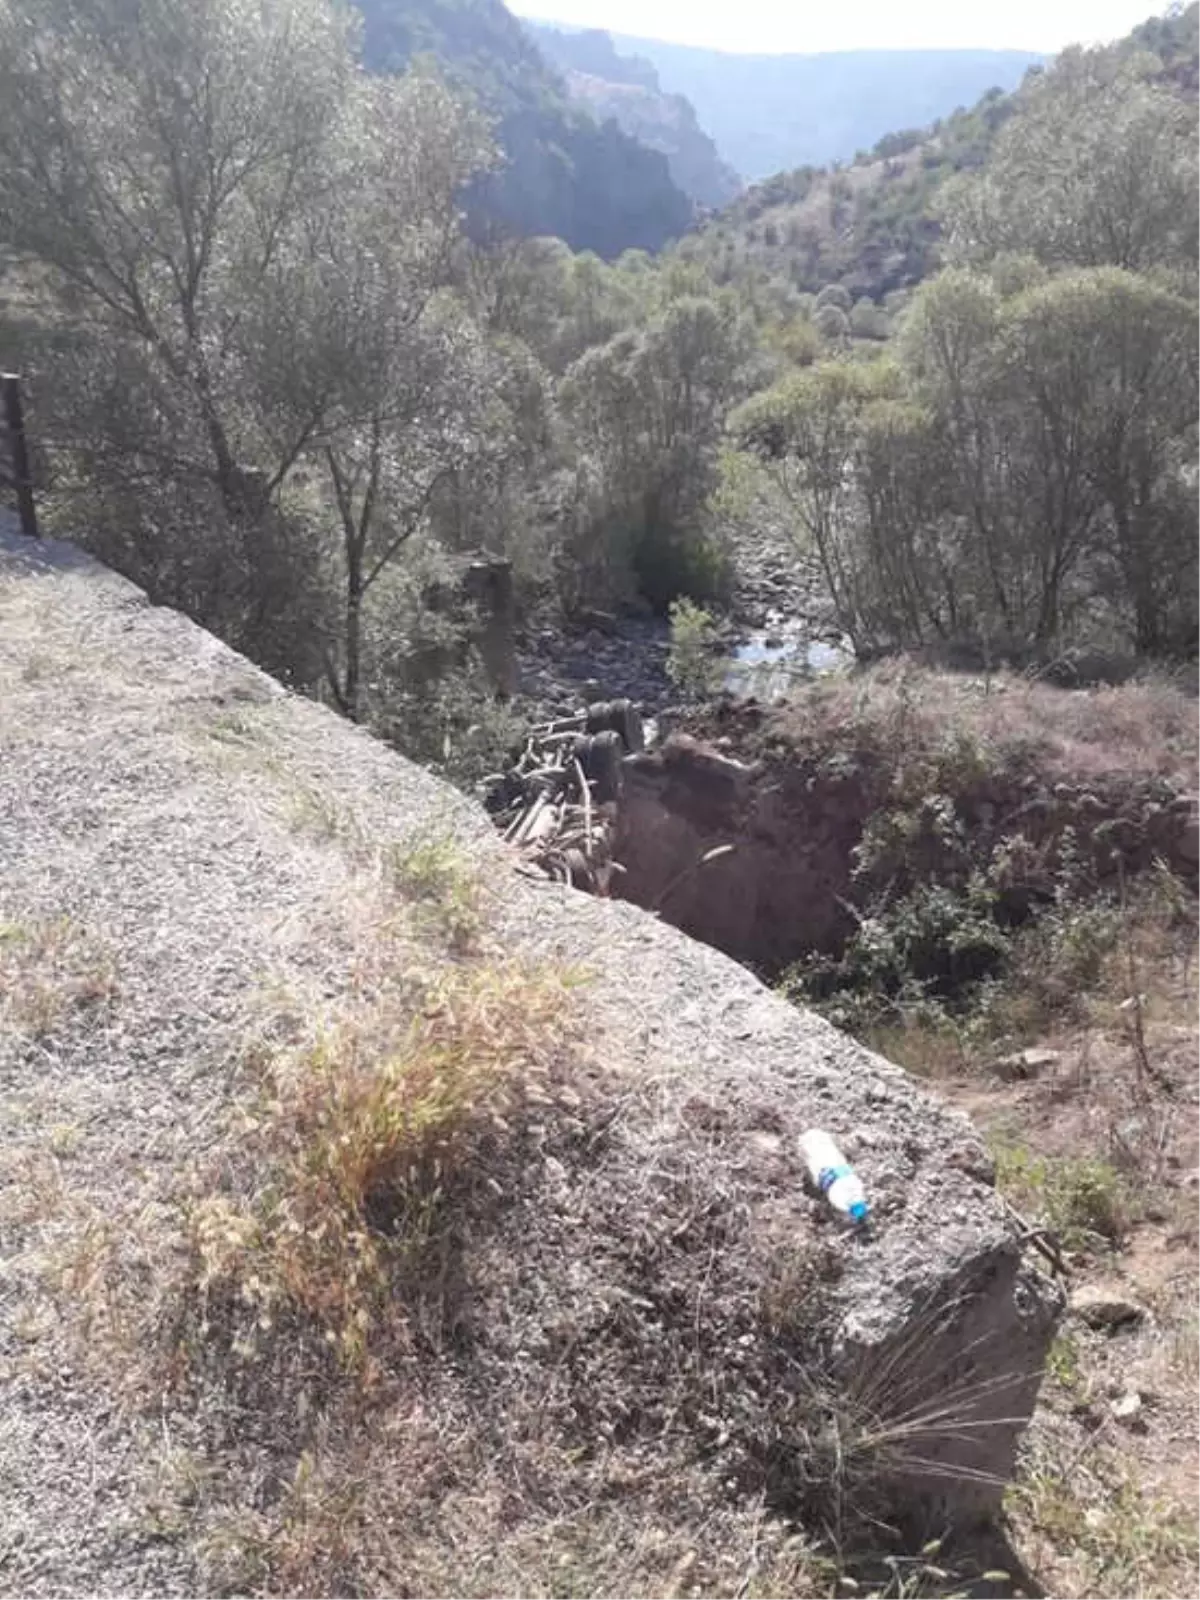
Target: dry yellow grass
x,y
1144,729
360,1142
50,968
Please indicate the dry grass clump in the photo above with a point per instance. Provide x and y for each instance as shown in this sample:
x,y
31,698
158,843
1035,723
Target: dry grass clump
x,y
1144,729
49,969
365,1143
408,1509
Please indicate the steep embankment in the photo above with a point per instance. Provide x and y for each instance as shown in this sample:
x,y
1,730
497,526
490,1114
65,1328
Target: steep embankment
x,y
376,1220
938,775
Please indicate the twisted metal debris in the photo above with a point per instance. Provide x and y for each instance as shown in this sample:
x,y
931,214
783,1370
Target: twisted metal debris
x,y
557,802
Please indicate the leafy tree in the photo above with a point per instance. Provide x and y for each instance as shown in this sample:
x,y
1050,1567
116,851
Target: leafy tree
x,y
157,177
648,408
1098,168
832,323
947,353
248,237
1021,465
397,371
905,583
805,430
1107,362
869,321
835,294
1046,401
154,162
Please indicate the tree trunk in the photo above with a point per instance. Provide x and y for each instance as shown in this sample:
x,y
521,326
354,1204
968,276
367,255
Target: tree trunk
x,y
353,642
1136,563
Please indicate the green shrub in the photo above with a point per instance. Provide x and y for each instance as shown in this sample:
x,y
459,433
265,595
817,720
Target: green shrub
x,y
835,294
930,949
691,662
669,563
1082,1198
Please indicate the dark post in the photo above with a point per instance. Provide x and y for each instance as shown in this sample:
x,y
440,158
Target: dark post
x,y
489,583
22,479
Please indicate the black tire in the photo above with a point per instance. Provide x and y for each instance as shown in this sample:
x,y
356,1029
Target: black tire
x,y
600,758
617,716
628,723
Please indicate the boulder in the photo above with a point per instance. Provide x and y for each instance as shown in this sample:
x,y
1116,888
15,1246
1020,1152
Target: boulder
x,y
1027,1064
1106,1308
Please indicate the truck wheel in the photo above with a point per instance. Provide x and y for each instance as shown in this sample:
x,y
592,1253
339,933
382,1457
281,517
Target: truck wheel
x,y
600,758
617,716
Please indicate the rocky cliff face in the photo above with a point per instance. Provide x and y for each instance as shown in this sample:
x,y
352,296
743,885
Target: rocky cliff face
x,y
565,174
626,89
771,113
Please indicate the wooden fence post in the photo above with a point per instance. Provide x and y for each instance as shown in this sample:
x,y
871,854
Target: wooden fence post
x,y
22,479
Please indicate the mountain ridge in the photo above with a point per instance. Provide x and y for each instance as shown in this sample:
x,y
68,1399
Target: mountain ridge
x,y
586,182
772,113
627,89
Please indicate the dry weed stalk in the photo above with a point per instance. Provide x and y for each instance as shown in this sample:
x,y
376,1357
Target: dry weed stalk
x,y
51,967
363,1138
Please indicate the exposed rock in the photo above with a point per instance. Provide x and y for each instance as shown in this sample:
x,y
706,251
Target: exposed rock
x,y
607,658
1027,1063
1106,1309
1127,1408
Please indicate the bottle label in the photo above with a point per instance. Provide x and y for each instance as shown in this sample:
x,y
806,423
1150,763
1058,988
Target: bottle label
x,y
828,1176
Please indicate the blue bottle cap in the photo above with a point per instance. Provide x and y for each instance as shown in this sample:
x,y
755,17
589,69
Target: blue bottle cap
x,y
860,1211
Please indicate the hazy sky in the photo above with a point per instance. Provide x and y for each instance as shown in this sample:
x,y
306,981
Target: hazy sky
x,y
777,25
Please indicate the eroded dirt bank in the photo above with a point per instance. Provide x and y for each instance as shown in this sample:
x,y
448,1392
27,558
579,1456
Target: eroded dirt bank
x,y
750,829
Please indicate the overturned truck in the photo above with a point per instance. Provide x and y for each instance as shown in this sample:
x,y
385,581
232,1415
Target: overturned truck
x,y
557,801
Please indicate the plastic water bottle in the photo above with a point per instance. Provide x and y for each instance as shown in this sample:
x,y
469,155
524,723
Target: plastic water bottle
x,y
833,1175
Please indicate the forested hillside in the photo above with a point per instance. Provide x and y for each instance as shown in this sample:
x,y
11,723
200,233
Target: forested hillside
x,y
564,171
274,379
871,225
1018,466
627,89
